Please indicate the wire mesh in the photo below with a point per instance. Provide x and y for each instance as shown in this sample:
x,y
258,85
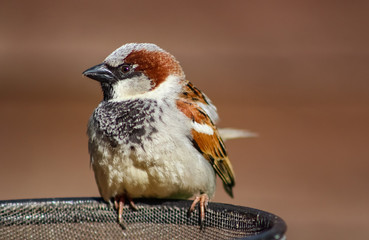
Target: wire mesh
x,y
92,218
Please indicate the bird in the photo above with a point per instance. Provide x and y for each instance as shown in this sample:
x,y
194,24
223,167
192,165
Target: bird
x,y
154,135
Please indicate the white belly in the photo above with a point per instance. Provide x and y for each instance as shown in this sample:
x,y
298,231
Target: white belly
x,y
168,169
165,166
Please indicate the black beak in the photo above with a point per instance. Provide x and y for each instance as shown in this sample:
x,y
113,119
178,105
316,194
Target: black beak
x,y
100,73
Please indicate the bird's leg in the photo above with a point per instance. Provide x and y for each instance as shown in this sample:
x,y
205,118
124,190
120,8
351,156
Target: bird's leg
x,y
203,201
119,205
132,204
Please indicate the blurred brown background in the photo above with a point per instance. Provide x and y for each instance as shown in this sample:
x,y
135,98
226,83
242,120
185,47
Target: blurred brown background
x,y
297,73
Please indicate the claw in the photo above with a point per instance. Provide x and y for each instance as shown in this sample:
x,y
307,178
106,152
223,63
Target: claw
x,y
203,201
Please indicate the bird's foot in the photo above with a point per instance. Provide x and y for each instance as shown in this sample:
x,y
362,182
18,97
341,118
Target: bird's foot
x,y
119,205
203,201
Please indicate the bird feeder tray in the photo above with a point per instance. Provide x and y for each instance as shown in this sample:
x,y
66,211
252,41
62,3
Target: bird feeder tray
x,y
92,218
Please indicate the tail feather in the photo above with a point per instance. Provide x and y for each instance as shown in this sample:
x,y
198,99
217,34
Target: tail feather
x,y
231,133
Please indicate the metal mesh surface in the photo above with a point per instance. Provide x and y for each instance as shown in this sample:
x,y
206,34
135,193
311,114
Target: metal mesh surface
x,y
92,218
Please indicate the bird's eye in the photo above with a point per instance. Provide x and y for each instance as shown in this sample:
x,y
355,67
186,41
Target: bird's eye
x,y
125,68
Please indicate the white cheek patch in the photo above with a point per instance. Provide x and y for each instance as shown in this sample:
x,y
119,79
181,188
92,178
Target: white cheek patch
x,y
129,88
202,128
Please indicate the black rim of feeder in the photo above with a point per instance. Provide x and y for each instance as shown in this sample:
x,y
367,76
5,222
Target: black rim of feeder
x,y
165,218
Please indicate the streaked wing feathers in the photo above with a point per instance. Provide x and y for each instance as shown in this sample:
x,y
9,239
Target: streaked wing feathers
x,y
206,139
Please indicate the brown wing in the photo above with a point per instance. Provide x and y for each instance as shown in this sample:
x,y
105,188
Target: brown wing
x,y
193,94
208,142
190,92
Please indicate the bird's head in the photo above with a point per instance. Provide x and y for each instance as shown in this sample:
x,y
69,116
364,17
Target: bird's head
x,y
134,69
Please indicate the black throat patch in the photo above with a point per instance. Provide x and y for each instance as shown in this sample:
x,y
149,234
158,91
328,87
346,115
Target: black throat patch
x,y
127,121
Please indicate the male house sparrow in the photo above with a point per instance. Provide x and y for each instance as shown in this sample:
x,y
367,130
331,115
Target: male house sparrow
x,y
153,135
